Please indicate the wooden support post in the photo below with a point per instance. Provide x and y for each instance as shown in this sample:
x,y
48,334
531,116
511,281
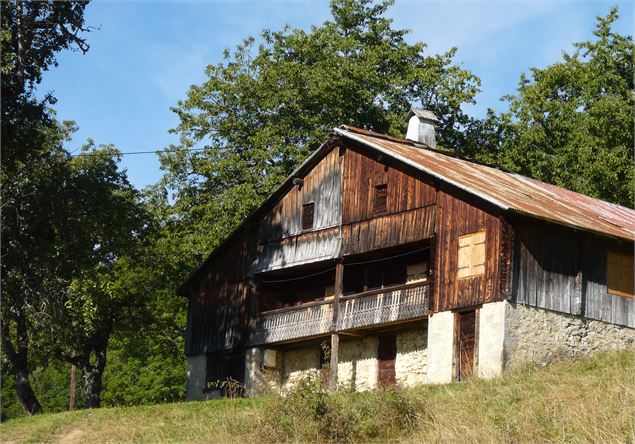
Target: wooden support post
x,y
71,401
335,346
335,337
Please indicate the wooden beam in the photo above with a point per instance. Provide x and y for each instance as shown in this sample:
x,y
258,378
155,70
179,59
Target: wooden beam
x,y
335,338
354,335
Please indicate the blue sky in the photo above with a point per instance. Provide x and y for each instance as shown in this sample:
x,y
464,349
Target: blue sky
x,y
146,54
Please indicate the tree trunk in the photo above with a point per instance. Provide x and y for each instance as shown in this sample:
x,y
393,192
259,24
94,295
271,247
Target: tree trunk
x,y
25,393
93,372
18,359
92,387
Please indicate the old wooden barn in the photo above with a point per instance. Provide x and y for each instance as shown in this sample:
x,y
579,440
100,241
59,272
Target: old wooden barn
x,y
386,261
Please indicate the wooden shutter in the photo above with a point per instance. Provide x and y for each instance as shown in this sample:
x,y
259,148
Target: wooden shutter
x,y
307,216
381,199
471,260
620,274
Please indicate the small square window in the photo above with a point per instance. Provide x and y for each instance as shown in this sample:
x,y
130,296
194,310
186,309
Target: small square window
x,y
619,271
471,261
307,216
381,198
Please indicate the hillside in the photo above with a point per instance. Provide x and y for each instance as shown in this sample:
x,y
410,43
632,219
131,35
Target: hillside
x,y
592,399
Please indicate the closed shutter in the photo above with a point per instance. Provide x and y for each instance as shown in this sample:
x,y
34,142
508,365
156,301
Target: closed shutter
x,y
620,273
471,260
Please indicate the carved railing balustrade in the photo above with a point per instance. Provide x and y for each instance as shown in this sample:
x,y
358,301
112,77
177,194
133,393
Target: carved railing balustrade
x,y
367,309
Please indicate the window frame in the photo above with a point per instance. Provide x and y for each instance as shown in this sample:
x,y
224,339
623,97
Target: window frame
x,y
305,207
380,195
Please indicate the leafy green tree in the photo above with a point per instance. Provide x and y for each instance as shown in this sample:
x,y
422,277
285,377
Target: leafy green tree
x,y
265,108
31,34
571,123
102,219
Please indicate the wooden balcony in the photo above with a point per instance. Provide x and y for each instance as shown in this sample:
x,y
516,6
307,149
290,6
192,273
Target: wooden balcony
x,y
294,322
383,306
361,310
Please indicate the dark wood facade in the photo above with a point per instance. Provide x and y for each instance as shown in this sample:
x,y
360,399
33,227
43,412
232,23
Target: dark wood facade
x,y
459,214
222,294
566,271
351,204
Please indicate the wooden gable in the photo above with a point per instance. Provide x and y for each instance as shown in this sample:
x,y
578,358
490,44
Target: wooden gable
x,y
286,237
407,201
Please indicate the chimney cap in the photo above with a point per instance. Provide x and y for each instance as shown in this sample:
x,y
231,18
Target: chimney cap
x,y
423,114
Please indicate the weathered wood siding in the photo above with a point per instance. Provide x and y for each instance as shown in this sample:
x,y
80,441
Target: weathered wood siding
x,y
362,173
546,260
388,231
322,186
459,214
563,270
410,205
218,307
296,250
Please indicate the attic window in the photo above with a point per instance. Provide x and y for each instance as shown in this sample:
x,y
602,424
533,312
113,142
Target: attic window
x,y
471,261
381,197
620,274
307,216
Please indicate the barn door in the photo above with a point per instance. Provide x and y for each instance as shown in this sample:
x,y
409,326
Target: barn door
x,y
386,355
465,344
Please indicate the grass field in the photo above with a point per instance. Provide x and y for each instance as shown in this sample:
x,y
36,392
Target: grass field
x,y
588,400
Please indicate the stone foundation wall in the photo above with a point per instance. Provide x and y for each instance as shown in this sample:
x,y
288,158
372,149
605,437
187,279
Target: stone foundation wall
x,y
411,365
440,348
491,339
357,368
542,336
261,381
299,364
196,378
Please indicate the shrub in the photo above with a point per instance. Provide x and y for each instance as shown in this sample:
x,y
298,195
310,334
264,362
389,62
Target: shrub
x,y
309,413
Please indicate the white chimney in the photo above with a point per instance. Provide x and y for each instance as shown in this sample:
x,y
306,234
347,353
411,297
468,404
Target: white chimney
x,y
421,124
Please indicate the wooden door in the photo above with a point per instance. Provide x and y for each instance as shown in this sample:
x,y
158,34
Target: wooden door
x,y
465,344
386,355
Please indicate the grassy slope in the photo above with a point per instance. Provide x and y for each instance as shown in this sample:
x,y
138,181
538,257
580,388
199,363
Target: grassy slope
x,y
592,399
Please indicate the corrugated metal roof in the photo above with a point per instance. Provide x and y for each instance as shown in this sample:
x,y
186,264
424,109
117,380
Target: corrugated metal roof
x,y
506,190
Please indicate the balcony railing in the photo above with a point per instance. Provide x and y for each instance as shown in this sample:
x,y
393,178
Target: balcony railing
x,y
382,306
291,323
360,310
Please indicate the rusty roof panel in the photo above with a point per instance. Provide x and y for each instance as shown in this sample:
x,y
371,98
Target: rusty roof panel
x,y
506,190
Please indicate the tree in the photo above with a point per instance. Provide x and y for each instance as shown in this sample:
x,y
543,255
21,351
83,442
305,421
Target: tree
x,y
104,219
31,34
28,245
264,109
571,123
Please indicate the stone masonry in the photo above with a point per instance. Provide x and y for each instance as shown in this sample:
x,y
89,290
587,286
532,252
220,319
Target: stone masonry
x,y
357,369
542,336
411,365
196,378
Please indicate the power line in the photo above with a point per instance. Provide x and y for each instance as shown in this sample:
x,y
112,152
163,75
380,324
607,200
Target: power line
x,y
127,153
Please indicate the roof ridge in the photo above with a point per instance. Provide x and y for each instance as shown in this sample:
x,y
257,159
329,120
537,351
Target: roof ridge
x,y
423,146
